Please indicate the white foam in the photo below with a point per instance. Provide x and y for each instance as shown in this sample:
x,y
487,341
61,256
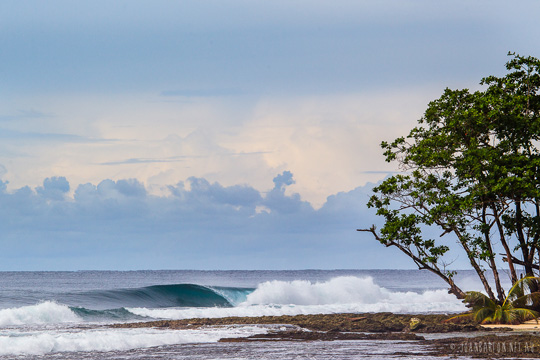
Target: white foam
x,y
44,313
340,290
338,295
39,343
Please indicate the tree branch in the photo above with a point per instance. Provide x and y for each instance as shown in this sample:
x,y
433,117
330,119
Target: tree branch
x,y
422,265
520,262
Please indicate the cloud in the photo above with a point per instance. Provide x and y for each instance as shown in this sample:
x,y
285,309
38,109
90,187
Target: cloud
x,y
201,92
54,188
283,180
15,135
278,201
25,115
316,88
110,201
199,225
143,161
226,100
237,141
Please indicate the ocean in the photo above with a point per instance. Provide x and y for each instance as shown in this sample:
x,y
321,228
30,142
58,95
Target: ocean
x,y
61,315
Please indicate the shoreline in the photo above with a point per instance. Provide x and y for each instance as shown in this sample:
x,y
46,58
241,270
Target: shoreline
x,y
530,325
430,332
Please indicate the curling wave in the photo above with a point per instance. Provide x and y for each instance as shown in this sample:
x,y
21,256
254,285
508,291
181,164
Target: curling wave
x,y
346,294
163,296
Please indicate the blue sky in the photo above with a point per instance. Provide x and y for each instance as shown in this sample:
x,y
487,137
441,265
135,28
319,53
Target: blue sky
x,y
221,134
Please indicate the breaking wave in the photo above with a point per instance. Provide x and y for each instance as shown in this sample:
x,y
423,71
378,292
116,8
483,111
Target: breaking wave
x,y
160,296
56,325
40,343
47,312
339,295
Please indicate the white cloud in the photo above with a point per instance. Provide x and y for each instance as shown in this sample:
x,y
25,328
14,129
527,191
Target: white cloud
x,y
119,225
330,143
160,92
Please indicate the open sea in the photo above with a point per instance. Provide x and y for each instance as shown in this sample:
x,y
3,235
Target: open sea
x,y
60,315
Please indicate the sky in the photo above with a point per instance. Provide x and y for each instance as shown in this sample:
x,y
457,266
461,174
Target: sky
x,y
222,134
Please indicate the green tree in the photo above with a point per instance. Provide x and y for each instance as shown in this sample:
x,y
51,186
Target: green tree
x,y
471,168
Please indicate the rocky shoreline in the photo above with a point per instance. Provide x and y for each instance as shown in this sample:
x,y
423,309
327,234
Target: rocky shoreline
x,y
464,339
369,322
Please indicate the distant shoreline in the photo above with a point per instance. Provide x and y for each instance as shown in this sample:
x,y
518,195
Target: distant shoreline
x,y
465,339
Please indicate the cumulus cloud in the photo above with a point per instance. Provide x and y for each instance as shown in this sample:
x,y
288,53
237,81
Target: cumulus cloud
x,y
201,189
283,180
316,97
54,188
277,200
199,224
109,189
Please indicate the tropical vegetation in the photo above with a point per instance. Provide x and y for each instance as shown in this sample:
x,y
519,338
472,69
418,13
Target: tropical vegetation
x,y
515,309
470,181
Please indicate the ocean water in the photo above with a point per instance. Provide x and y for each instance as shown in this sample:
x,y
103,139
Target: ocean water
x,y
63,315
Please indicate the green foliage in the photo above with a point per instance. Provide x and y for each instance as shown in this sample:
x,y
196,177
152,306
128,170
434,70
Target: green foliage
x,y
515,309
471,168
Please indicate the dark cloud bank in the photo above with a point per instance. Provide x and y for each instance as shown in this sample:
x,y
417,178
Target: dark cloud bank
x,y
199,225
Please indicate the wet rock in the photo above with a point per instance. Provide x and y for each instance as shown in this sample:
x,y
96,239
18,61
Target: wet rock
x,y
372,323
487,347
323,336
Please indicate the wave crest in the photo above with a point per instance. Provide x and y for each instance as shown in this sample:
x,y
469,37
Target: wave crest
x,y
47,312
340,290
346,294
173,295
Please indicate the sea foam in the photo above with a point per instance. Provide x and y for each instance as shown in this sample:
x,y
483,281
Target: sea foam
x,y
47,312
39,343
340,290
339,295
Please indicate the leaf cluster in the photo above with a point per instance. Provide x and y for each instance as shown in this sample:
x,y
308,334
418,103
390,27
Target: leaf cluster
x,y
515,309
471,168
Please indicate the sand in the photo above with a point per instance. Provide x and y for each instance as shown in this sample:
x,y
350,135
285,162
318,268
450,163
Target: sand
x,y
530,325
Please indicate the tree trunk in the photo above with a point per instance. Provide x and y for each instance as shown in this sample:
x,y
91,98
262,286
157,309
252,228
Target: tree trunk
x,y
513,274
492,264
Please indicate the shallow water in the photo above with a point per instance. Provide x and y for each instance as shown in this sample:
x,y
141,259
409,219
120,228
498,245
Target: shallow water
x,y
318,350
62,315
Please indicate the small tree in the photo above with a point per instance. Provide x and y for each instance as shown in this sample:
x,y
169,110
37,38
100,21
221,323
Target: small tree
x,y
513,310
471,168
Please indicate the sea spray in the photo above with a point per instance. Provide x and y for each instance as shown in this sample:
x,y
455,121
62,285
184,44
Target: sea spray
x,y
346,294
47,312
233,295
340,290
59,314
92,340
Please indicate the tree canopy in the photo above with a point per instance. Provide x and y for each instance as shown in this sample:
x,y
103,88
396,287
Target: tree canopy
x,y
471,168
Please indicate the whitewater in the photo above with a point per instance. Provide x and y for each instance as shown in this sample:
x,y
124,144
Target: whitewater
x,y
67,313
